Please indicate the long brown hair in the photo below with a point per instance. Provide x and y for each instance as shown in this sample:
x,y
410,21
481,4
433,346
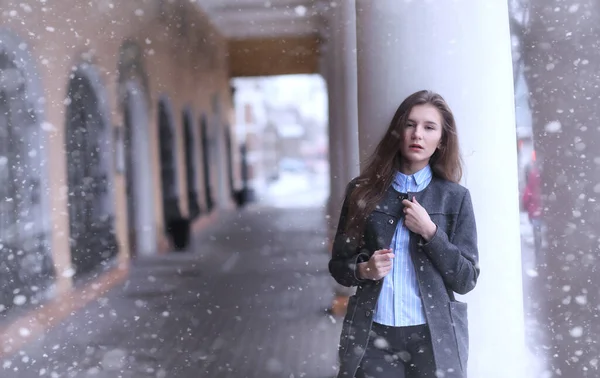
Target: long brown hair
x,y
382,165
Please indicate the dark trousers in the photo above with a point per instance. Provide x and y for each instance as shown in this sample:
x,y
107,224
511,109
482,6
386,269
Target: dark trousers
x,y
398,352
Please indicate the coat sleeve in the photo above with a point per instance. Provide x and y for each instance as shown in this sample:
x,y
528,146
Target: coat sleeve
x,y
458,262
345,254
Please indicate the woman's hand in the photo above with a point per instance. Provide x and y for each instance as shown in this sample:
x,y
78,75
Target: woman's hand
x,y
417,220
378,266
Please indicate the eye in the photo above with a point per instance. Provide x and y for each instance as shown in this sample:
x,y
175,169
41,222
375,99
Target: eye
x,y
409,125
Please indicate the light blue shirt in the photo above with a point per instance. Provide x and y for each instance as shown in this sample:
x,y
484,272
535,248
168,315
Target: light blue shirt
x,y
399,303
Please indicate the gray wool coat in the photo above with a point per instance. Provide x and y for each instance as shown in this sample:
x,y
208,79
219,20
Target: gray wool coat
x,y
447,264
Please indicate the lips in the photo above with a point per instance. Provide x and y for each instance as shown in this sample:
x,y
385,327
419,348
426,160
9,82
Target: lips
x,y
416,146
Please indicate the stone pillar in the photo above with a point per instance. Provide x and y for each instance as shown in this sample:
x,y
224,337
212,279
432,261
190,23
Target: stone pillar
x,y
343,127
462,50
336,143
346,27
330,66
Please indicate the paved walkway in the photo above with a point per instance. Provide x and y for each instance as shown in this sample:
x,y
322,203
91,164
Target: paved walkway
x,y
248,301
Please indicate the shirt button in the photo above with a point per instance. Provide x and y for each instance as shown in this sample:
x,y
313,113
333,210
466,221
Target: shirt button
x,y
391,221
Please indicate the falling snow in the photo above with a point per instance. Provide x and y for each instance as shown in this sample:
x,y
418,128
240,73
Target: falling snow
x,y
77,301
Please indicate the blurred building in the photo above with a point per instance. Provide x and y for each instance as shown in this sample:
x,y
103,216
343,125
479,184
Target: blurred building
x,y
524,130
284,130
114,127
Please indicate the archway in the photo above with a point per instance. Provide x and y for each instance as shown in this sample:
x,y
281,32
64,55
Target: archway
x,y
89,173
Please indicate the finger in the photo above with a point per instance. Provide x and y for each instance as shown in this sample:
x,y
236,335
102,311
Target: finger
x,y
407,203
414,199
382,251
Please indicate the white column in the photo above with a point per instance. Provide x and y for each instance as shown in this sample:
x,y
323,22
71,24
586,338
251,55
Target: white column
x,y
337,171
338,137
342,85
145,232
462,50
346,27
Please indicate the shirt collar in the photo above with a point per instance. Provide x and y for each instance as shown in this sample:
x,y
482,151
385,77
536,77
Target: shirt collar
x,y
418,177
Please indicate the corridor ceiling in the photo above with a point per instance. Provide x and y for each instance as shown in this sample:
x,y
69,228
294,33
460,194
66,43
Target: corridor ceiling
x,y
270,37
245,19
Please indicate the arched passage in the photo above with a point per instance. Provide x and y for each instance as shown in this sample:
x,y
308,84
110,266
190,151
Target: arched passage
x,y
191,165
206,163
26,267
168,163
89,158
140,199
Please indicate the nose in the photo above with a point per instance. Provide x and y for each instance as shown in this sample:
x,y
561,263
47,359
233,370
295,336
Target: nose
x,y
417,132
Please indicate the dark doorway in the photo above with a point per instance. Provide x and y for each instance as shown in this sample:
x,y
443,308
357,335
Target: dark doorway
x,y
206,163
26,267
177,227
168,165
87,142
191,166
229,150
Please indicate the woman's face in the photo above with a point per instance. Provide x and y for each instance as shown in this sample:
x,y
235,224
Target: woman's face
x,y
422,136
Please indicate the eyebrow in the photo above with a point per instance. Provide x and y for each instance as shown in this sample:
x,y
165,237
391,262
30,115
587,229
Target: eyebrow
x,y
426,122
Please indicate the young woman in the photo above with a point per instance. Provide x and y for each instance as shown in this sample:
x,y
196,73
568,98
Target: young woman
x,y
407,239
